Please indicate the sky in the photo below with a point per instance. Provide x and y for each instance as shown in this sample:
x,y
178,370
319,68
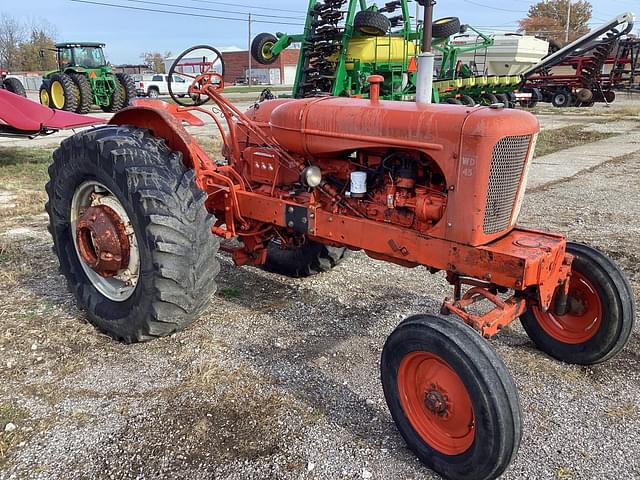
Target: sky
x,y
128,33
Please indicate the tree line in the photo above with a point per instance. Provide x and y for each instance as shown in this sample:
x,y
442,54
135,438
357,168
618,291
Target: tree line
x,y
548,19
22,42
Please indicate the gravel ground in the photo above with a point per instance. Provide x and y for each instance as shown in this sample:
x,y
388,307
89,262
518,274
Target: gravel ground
x,y
280,378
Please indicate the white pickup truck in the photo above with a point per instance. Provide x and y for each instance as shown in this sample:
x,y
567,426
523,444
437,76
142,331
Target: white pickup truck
x,y
156,85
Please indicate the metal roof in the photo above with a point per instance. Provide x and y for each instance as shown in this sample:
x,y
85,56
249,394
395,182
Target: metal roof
x,y
79,44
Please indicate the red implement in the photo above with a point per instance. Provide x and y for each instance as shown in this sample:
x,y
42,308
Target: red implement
x,y
24,115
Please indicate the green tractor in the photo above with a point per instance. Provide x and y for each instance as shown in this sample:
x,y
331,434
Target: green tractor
x,y
83,79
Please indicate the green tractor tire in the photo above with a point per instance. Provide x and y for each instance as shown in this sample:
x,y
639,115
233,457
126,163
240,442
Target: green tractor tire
x,y
45,95
64,93
117,100
129,86
86,94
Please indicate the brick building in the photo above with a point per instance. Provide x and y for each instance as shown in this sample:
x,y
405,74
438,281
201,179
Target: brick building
x,y
280,72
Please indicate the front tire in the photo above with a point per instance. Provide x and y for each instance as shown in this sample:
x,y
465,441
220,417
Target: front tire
x,y
451,398
600,316
166,263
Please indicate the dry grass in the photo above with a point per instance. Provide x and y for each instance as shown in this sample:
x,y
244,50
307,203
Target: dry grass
x,y
564,473
23,173
623,410
554,140
10,414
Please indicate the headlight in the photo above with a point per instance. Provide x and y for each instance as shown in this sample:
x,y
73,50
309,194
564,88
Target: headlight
x,y
312,176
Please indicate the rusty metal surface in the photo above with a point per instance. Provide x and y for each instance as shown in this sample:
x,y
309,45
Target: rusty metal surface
x,y
102,241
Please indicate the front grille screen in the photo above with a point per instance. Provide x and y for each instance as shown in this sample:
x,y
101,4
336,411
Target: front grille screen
x,y
507,167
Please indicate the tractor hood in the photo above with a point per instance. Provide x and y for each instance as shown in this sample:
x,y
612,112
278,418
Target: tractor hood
x,y
27,116
328,126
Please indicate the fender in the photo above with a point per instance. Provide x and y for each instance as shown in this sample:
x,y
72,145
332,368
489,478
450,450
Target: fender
x,y
165,121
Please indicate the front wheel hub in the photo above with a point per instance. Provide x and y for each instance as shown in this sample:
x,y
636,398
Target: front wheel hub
x,y
436,402
102,241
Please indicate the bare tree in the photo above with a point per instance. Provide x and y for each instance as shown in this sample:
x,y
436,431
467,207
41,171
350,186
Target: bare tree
x,y
12,36
41,39
155,60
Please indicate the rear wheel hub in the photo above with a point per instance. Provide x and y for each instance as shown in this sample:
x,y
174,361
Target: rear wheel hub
x,y
102,241
105,241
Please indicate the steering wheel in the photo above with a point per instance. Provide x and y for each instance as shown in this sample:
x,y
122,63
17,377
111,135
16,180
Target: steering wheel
x,y
205,67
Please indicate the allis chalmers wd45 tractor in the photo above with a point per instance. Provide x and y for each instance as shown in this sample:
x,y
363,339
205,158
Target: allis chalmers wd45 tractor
x,y
83,79
138,209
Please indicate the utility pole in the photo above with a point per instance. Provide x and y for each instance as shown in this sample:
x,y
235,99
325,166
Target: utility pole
x,y
249,49
566,32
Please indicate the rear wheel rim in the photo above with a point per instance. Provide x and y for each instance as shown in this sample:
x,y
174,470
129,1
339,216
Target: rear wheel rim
x,y
436,403
57,95
584,318
117,285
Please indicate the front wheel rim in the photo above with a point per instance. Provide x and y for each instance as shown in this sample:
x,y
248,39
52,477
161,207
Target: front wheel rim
x,y
436,403
584,317
110,259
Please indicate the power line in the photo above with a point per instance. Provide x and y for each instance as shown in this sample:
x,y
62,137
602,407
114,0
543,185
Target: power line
x,y
252,7
162,4
493,8
184,14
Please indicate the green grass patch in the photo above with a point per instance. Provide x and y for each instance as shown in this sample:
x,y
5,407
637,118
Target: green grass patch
x,y
230,292
554,140
10,156
24,167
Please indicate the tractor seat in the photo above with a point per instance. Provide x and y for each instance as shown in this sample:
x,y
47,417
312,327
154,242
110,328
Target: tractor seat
x,y
28,116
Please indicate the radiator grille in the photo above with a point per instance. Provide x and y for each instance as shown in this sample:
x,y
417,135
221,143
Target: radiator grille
x,y
507,167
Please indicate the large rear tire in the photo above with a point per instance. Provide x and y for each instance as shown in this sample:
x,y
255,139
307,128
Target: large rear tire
x,y
129,86
64,93
308,259
117,100
86,94
155,272
14,85
451,398
600,314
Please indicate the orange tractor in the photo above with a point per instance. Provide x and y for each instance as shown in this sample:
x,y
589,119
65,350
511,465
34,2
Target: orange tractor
x,y
138,211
